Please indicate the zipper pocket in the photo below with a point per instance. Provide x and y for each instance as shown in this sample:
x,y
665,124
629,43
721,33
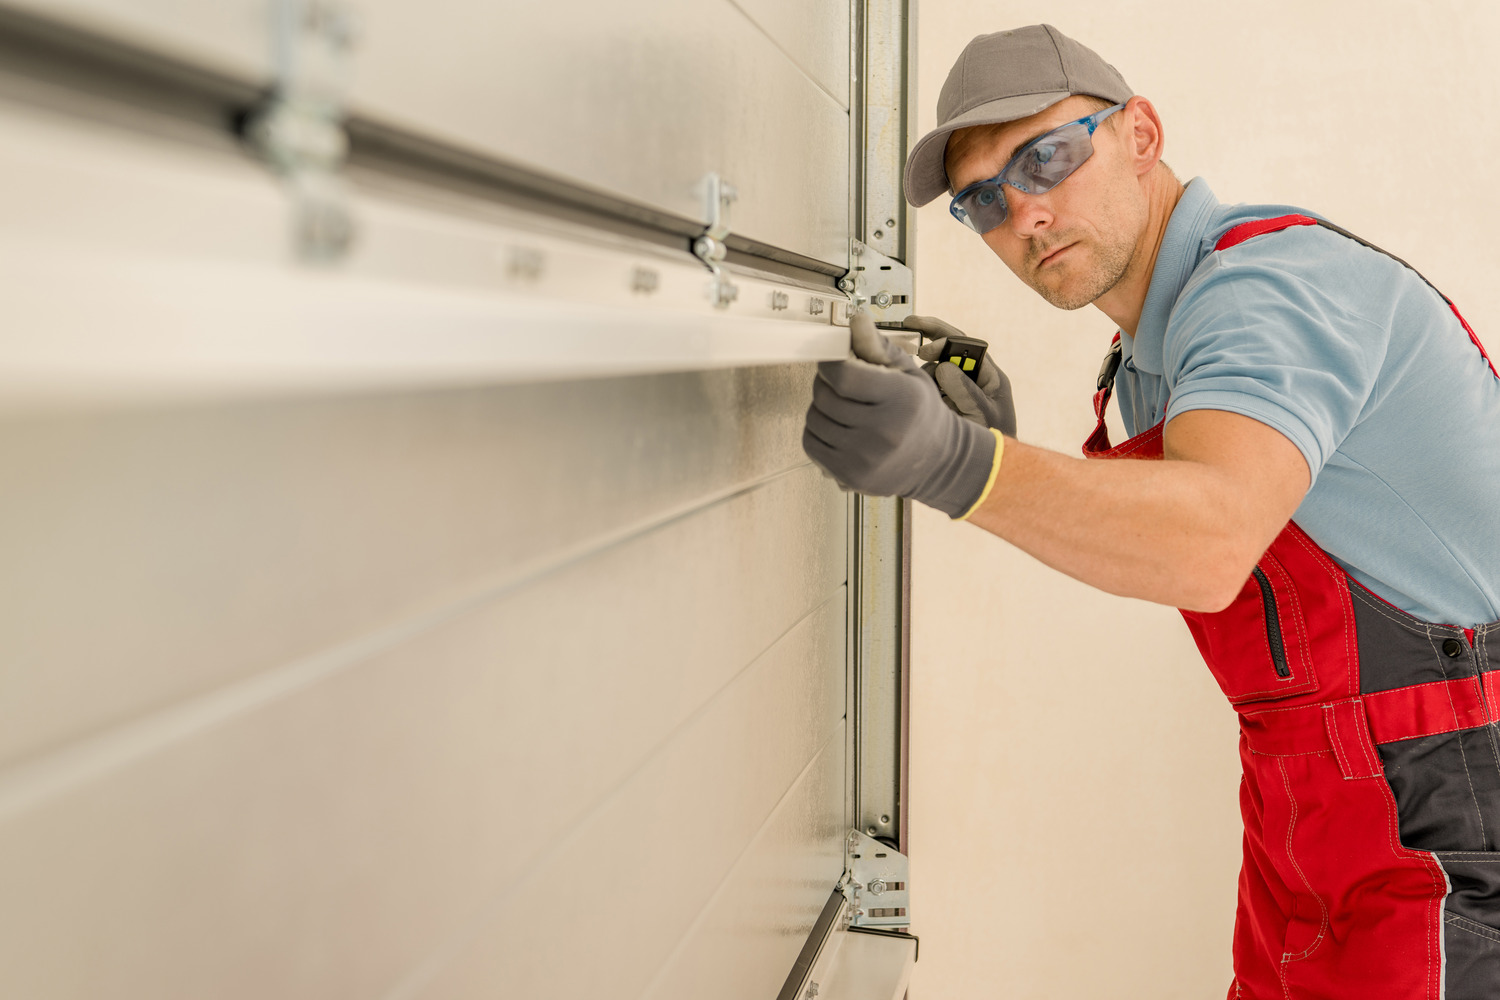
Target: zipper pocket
x,y
1273,624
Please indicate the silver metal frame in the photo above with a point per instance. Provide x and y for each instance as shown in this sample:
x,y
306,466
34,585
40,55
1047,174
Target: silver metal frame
x,y
886,118
881,122
878,597
879,527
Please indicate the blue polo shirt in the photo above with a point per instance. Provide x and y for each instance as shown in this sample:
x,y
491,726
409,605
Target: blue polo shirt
x,y
1363,367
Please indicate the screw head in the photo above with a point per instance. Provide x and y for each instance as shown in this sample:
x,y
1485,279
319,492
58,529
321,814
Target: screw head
x,y
881,300
877,886
846,284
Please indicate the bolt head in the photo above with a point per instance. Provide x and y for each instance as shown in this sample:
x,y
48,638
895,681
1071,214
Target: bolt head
x,y
846,284
877,886
882,299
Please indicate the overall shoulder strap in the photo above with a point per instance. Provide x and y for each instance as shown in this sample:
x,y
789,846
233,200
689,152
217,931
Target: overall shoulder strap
x,y
1098,443
1258,227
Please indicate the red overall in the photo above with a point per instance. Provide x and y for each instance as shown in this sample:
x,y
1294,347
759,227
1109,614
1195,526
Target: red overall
x,y
1371,791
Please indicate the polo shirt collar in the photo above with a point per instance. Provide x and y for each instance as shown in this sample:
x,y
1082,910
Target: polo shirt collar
x,y
1182,249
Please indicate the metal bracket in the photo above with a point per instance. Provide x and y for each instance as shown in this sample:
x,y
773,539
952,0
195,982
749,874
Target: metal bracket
x,y
877,283
875,884
710,247
300,127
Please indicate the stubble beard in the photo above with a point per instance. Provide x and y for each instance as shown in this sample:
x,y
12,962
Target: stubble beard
x,y
1102,272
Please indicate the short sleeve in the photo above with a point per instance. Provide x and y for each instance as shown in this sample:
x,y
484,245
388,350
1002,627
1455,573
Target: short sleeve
x,y
1255,339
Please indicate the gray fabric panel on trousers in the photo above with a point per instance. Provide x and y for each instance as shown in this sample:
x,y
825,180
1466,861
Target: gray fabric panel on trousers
x,y
1447,790
1447,787
1471,925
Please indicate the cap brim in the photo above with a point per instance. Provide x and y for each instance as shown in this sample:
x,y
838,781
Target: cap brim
x,y
926,177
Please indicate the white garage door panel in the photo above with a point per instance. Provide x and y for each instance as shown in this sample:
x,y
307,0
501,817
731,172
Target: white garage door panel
x,y
639,99
815,36
327,844
122,253
232,35
178,535
749,935
607,909
345,655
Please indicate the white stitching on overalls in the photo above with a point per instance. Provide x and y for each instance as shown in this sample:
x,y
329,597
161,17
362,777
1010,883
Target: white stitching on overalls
x,y
1367,743
1287,957
1463,754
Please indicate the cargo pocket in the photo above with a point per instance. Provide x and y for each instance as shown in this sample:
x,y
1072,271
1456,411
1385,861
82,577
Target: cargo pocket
x,y
1257,647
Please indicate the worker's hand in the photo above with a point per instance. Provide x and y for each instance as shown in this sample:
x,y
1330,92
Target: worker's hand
x,y
989,402
879,426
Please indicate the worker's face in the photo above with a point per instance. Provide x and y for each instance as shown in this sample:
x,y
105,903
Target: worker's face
x,y
1075,242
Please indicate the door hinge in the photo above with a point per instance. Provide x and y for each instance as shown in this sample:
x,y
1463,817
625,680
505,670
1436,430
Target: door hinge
x,y
875,883
878,284
299,128
710,247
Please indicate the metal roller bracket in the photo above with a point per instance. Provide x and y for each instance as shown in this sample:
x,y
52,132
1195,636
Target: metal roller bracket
x,y
710,247
878,284
300,127
876,886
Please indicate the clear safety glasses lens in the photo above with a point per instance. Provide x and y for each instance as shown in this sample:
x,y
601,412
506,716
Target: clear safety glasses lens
x,y
1039,167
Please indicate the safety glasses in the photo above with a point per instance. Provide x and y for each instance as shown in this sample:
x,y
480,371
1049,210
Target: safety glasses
x,y
1039,166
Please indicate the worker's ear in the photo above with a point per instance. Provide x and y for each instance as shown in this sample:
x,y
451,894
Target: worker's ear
x,y
1141,131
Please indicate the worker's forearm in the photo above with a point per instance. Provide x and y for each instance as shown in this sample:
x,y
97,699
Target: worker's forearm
x,y
1161,531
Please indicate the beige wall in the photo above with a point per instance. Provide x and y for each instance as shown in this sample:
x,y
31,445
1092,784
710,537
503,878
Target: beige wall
x,y
1075,829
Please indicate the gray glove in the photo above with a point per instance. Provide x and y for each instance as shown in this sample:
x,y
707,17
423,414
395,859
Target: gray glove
x,y
878,425
988,403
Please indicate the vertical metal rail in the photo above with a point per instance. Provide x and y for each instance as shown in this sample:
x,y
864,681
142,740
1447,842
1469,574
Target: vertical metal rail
x,y
885,120
881,120
880,675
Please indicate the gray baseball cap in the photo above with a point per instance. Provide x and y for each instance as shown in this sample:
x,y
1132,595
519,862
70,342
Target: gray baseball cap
x,y
1000,78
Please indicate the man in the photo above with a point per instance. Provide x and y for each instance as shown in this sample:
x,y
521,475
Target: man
x,y
1326,436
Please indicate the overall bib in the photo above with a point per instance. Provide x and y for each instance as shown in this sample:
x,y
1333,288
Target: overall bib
x,y
1371,756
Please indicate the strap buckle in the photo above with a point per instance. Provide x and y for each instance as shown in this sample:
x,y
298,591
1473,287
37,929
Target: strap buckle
x,y
1110,366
